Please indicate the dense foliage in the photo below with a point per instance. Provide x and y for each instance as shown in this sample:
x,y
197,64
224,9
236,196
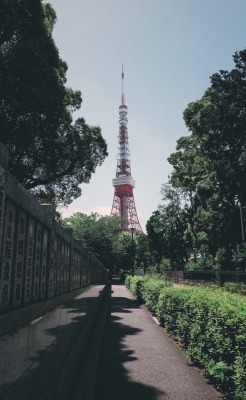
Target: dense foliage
x,y
49,154
103,235
98,234
209,324
206,193
147,288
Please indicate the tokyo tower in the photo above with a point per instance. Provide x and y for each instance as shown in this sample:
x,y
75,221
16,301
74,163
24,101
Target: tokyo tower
x,y
123,203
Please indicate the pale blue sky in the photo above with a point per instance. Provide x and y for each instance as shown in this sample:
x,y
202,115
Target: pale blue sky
x,y
169,48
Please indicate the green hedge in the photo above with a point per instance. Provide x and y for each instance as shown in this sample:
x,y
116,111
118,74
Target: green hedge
x,y
135,284
147,289
210,325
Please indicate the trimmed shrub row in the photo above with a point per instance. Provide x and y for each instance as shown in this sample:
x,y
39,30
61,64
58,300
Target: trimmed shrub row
x,y
147,289
209,324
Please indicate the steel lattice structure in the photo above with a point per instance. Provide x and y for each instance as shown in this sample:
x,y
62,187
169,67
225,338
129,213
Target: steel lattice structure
x,y
123,203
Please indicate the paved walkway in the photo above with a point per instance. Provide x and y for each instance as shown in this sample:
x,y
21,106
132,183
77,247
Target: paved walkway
x,y
140,362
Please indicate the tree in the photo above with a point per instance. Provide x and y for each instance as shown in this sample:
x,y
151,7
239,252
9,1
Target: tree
x,y
210,164
126,252
48,153
154,239
99,234
142,252
195,178
171,224
218,122
104,237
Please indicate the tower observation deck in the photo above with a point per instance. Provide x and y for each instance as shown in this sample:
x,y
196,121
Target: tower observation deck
x,y
123,202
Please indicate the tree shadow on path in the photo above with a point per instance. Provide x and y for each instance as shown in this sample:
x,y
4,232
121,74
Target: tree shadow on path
x,y
114,382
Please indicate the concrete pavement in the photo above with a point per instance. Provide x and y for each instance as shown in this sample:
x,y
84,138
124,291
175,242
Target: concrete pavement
x,y
140,362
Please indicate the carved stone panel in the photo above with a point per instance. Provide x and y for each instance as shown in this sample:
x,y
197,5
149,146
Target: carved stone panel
x,y
20,259
7,259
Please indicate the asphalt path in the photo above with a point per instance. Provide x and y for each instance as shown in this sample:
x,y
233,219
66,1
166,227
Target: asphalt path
x,y
139,361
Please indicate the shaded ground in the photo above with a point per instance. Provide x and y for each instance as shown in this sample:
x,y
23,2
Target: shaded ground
x,y
40,361
140,362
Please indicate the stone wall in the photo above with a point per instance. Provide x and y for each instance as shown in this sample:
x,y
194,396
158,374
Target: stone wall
x,y
38,258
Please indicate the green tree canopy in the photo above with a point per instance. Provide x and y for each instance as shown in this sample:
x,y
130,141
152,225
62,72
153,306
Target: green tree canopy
x,y
166,229
209,170
210,164
104,237
218,125
48,153
154,238
99,233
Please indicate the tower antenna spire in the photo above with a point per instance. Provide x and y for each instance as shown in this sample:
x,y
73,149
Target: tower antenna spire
x,y
123,203
122,91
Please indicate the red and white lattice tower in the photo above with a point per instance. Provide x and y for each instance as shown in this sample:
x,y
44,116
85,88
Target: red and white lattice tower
x,y
123,203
